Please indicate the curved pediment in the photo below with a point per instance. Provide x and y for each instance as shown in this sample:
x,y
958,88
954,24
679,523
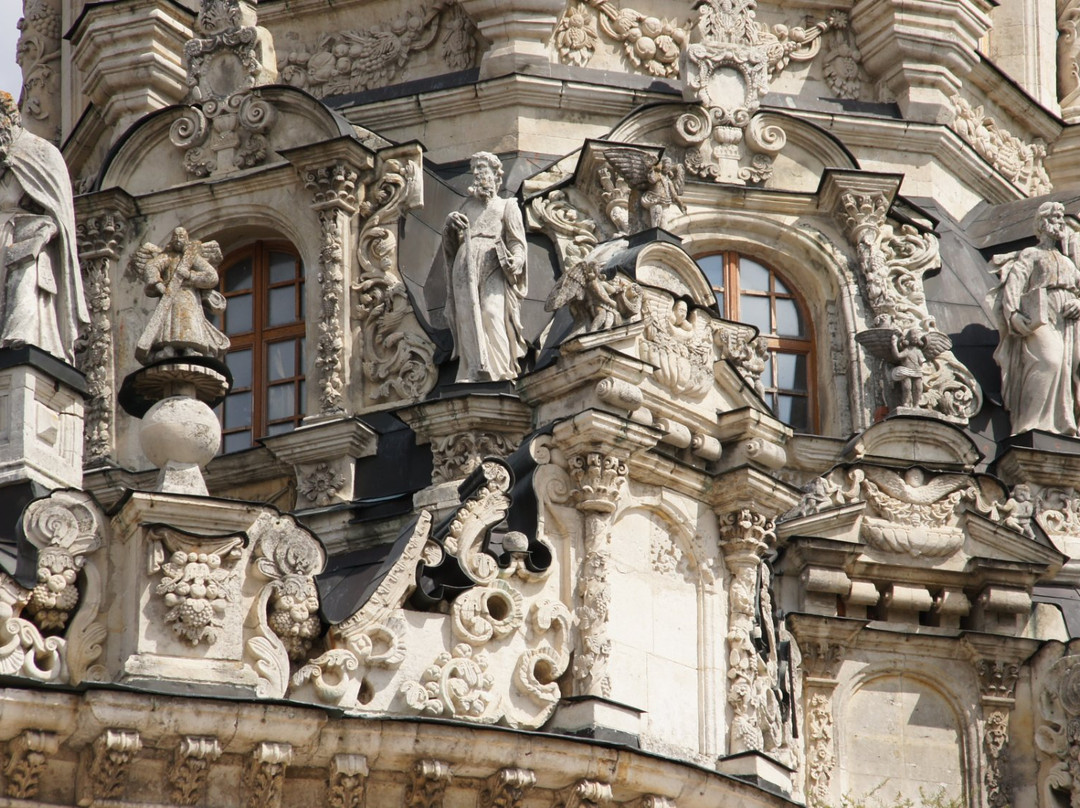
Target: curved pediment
x,y
212,140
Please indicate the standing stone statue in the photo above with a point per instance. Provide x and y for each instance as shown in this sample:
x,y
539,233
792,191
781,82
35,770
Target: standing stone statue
x,y
41,297
184,276
484,248
1038,306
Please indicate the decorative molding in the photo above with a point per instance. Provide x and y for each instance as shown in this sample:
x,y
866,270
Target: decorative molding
x,y
334,189
842,62
264,774
38,56
398,357
101,237
997,678
24,762
1021,163
347,781
892,263
352,61
191,766
995,743
821,659
820,755
680,345
651,44
457,456
224,135
427,784
457,684
731,41
107,764
584,794
598,479
506,788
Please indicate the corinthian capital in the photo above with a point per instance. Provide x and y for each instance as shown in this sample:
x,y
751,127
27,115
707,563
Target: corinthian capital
x,y
598,477
746,534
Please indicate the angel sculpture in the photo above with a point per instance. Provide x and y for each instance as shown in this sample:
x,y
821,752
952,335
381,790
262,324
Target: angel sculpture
x,y
599,301
184,276
906,352
659,180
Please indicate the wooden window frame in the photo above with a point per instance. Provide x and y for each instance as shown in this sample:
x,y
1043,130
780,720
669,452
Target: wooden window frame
x,y
263,335
732,292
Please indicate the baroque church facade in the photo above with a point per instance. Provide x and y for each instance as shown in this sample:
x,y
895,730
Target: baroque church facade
x,y
541,403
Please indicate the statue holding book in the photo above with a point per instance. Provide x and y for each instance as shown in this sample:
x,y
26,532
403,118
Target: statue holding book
x,y
1038,309
484,248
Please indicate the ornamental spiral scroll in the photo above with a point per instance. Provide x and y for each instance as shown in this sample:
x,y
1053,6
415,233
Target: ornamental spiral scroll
x,y
399,360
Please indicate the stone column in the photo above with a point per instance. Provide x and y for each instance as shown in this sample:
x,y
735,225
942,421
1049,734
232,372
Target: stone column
x,y
997,687
333,185
102,230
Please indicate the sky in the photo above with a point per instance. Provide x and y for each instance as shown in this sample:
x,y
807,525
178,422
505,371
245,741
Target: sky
x,y
10,77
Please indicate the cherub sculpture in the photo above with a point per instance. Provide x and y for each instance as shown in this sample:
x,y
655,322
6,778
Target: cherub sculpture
x,y
594,299
184,276
659,180
905,352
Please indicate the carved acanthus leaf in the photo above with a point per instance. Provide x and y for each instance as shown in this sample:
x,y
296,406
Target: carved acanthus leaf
x,y
427,784
348,779
821,757
26,758
1019,162
506,788
191,766
264,774
108,763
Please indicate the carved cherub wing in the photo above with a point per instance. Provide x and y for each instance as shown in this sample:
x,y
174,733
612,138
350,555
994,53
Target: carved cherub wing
x,y
879,342
144,257
569,287
211,251
935,343
917,491
633,165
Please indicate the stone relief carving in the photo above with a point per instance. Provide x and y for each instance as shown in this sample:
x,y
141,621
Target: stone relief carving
x,y
680,344
842,63
584,794
44,304
427,784
399,358
264,774
651,44
912,512
506,788
348,780
597,302
456,684
199,581
228,57
183,276
1018,512
1037,306
749,353
733,42
38,56
484,249
456,456
356,60
821,757
27,755
598,479
1021,163
995,747
1057,738
1068,52
891,265
101,238
321,485
191,765
907,354
658,180
107,763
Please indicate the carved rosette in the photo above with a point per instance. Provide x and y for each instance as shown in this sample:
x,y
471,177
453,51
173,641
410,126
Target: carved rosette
x,y
320,486
892,263
731,41
334,191
191,766
101,238
398,358
598,479
26,757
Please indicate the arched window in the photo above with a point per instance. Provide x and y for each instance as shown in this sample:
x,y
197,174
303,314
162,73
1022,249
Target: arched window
x,y
264,320
750,292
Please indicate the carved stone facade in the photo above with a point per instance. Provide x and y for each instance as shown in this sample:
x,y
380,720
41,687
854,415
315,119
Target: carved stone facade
x,y
616,390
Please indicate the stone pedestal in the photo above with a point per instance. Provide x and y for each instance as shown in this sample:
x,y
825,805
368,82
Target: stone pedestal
x,y
41,419
759,769
599,718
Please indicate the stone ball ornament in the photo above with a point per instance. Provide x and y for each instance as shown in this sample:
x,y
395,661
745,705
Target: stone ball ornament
x,y
180,430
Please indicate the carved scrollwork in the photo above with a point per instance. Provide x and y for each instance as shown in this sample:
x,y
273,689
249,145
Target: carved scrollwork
x,y
399,360
427,784
38,55
457,456
821,758
456,684
1021,163
485,613
264,775
539,668
224,134
348,780
108,763
191,766
506,788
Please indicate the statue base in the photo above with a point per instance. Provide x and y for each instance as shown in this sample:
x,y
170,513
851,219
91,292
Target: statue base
x,y
41,419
